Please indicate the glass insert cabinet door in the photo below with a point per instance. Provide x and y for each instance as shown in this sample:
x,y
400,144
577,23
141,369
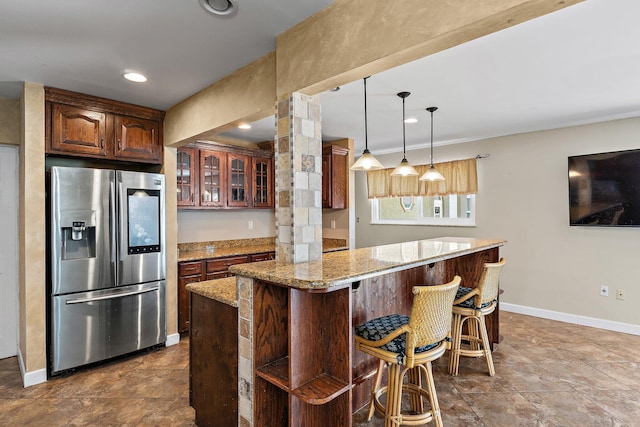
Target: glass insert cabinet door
x,y
262,182
238,182
186,177
212,165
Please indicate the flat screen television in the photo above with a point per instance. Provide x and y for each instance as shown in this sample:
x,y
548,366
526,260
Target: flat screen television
x,y
604,189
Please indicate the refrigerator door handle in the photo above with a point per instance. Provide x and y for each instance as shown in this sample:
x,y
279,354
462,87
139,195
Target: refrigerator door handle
x,y
103,297
122,225
112,228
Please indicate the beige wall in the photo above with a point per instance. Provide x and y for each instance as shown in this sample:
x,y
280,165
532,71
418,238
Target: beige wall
x,y
523,198
32,242
208,225
248,94
352,39
9,121
171,240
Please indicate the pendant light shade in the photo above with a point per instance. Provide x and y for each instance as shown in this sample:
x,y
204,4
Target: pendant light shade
x,y
366,162
404,168
432,173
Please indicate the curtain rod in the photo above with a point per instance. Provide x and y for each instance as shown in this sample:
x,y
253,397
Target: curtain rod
x,y
482,156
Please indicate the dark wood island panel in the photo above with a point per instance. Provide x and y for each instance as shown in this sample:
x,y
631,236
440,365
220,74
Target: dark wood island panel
x,y
213,362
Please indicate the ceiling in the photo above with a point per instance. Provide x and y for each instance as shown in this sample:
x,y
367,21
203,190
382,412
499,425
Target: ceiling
x,y
578,65
85,46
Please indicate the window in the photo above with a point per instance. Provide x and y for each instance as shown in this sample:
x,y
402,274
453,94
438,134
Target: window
x,y
451,210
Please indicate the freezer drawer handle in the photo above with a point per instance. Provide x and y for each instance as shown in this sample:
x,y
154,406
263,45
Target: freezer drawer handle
x,y
125,294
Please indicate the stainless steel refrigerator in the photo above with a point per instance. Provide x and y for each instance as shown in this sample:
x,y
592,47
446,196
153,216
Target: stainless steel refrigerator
x,y
107,269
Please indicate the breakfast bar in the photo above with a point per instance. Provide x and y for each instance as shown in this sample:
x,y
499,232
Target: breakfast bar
x,y
296,363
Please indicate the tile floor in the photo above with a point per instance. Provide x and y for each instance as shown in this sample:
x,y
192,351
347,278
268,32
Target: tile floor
x,y
548,374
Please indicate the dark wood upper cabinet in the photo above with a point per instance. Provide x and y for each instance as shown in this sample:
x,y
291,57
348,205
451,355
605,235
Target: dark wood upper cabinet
x,y
263,182
79,125
78,130
137,139
212,178
227,177
187,176
334,177
238,168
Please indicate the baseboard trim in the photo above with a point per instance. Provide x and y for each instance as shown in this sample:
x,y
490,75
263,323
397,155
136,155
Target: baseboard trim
x,y
172,339
31,378
593,322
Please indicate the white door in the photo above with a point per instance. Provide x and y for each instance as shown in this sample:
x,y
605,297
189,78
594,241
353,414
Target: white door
x,y
8,251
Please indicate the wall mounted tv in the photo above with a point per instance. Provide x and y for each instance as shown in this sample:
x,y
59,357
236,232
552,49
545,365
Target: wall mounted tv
x,y
604,189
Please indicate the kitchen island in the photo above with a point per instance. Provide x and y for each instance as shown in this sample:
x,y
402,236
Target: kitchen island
x,y
296,364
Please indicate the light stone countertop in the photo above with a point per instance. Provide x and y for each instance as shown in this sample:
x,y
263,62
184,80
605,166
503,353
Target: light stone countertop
x,y
222,290
198,251
197,254
340,269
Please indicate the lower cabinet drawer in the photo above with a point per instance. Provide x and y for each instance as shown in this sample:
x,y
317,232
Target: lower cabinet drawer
x,y
265,256
217,275
191,268
223,264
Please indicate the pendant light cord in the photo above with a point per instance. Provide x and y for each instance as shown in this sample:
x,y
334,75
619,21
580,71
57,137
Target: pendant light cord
x,y
431,138
431,110
403,95
366,143
404,150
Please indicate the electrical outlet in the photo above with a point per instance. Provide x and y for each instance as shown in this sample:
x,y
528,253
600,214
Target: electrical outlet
x,y
333,223
604,291
620,294
250,225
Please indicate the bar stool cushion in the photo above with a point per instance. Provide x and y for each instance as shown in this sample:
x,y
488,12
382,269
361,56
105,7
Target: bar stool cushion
x,y
462,291
377,329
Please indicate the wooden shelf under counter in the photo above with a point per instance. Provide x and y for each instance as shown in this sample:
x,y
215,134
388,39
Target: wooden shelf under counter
x,y
276,372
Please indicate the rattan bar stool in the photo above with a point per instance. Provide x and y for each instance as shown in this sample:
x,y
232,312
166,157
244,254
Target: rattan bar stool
x,y
408,344
471,306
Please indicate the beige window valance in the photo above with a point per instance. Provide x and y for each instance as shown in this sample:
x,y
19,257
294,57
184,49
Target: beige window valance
x,y
460,177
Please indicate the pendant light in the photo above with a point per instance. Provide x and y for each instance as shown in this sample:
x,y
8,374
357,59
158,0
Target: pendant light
x,y
432,173
366,162
404,168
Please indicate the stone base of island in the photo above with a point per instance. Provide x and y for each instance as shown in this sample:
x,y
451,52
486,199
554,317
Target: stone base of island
x,y
289,358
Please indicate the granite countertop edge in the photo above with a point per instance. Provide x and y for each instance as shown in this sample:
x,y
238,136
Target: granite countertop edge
x,y
195,255
200,254
222,290
265,270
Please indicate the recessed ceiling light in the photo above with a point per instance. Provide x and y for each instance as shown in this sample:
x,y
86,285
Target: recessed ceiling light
x,y
134,77
410,120
219,7
244,126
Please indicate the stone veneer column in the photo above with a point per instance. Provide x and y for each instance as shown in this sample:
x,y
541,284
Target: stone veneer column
x,y
245,351
298,153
